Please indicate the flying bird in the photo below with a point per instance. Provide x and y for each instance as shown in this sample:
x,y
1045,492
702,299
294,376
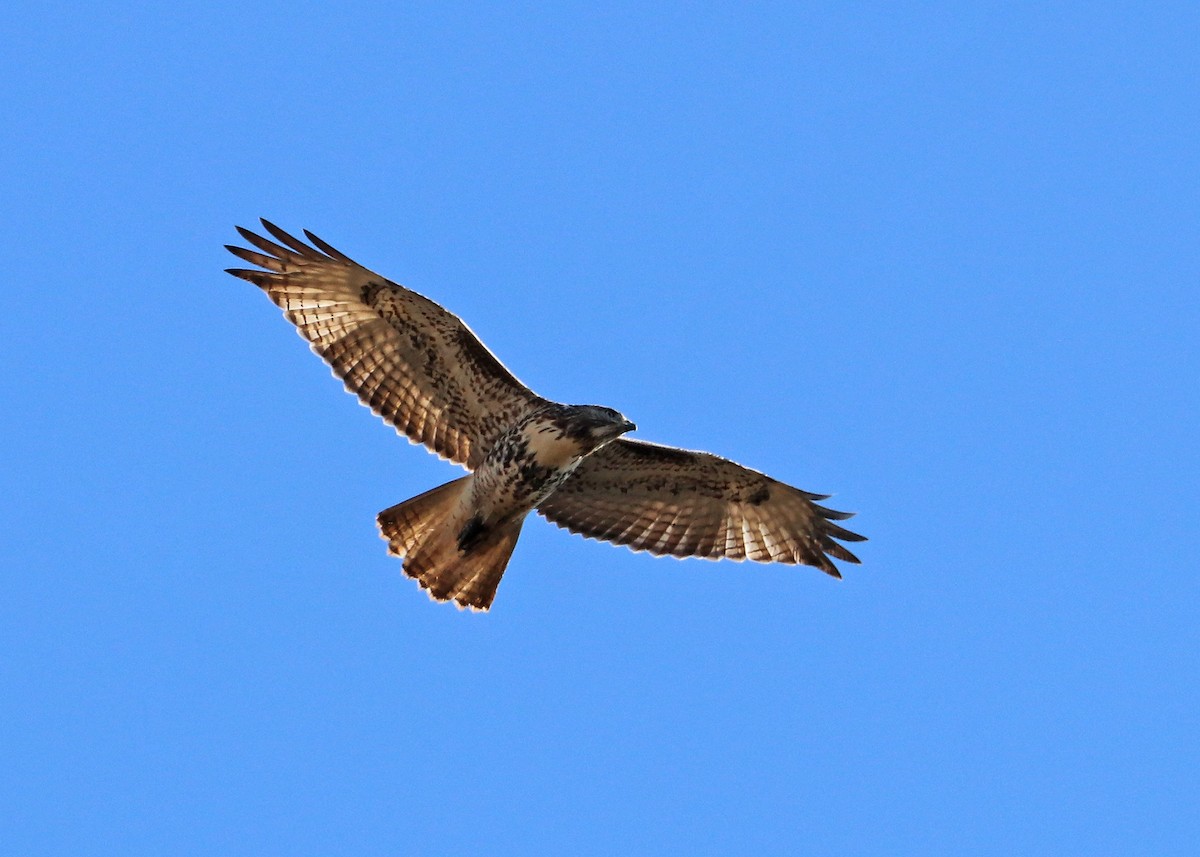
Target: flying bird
x,y
422,370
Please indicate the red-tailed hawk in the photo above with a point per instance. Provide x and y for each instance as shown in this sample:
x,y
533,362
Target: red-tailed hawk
x,y
425,373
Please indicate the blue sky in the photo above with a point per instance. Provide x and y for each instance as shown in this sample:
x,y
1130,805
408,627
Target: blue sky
x,y
940,260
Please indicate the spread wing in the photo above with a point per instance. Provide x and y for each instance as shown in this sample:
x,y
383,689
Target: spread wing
x,y
410,361
673,501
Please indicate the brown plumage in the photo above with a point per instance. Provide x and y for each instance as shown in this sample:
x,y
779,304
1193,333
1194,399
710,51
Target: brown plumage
x,y
675,502
426,374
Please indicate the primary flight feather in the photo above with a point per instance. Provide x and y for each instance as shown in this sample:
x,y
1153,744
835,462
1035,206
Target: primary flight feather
x,y
423,371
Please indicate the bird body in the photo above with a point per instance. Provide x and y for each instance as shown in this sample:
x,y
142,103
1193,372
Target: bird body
x,y
422,370
457,543
528,461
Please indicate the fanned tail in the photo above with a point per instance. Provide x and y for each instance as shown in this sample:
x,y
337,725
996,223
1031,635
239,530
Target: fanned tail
x,y
425,532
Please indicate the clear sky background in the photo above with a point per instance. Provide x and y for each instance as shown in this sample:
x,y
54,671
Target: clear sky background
x,y
938,259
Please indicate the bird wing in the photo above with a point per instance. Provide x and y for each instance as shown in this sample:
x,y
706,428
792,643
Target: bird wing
x,y
674,501
410,361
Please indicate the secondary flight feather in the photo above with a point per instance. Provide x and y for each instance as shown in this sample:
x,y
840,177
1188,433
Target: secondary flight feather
x,y
422,370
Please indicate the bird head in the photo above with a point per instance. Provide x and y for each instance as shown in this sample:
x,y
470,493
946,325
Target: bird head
x,y
598,424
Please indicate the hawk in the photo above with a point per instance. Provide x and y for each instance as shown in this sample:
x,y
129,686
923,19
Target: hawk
x,y
422,370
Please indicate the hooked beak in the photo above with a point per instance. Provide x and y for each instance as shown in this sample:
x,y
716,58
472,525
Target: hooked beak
x,y
612,431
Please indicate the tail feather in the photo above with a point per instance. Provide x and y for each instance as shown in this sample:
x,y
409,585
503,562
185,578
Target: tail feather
x,y
424,531
469,577
406,524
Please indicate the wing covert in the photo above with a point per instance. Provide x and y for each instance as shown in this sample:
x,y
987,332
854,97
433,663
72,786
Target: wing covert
x,y
681,503
413,363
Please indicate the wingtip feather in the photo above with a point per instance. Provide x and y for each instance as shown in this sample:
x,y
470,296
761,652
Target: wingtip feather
x,y
290,240
326,248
